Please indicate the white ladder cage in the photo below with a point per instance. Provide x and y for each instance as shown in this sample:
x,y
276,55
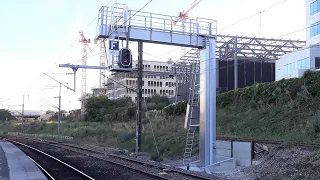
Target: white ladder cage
x,y
192,113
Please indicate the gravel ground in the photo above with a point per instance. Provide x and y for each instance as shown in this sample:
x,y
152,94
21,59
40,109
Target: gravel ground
x,y
282,162
152,167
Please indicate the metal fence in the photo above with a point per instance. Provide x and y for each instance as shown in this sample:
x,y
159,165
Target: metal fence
x,y
40,135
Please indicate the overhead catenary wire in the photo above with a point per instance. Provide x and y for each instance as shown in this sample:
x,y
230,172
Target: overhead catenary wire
x,y
87,28
246,18
72,44
153,134
76,40
178,47
122,25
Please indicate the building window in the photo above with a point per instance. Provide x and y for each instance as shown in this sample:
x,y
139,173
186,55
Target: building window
x,y
288,69
314,7
315,29
304,63
317,62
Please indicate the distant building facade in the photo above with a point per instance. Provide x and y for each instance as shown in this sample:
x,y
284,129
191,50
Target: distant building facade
x,y
27,113
161,84
296,63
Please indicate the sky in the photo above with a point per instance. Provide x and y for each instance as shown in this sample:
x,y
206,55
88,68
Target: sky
x,y
38,35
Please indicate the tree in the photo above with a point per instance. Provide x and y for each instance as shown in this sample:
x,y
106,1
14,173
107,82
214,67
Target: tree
x,y
103,109
156,98
5,115
49,112
75,114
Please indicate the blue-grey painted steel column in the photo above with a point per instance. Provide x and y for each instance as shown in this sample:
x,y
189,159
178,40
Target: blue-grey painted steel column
x,y
235,57
208,75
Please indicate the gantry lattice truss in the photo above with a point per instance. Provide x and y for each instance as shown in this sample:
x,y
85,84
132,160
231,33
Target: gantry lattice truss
x,y
242,48
254,48
229,47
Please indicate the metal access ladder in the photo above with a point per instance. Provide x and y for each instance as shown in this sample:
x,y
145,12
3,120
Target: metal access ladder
x,y
192,116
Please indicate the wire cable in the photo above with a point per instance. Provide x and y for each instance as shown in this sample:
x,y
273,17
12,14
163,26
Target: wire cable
x,y
122,25
95,17
154,137
244,19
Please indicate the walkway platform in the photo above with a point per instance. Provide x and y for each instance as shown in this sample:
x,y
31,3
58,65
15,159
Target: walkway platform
x,y
16,165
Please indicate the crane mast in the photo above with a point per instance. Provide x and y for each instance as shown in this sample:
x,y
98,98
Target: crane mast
x,y
85,45
102,63
182,18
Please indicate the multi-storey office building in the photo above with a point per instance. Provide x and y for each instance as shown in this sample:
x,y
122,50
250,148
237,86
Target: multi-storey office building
x,y
296,63
124,84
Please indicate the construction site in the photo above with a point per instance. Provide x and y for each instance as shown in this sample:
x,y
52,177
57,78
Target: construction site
x,y
219,62
230,107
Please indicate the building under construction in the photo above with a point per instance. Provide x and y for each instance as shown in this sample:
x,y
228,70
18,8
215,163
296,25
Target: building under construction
x,y
242,61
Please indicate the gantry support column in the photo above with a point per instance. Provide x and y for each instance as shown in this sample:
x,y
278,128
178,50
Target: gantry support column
x,y
235,58
208,74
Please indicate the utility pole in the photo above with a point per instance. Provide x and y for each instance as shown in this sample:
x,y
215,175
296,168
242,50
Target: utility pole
x,y
22,114
59,111
139,99
59,108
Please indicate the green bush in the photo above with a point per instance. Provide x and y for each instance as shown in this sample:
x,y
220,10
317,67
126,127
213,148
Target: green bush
x,y
103,109
175,109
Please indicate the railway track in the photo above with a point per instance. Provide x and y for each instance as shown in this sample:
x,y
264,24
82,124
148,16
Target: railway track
x,y
147,169
51,166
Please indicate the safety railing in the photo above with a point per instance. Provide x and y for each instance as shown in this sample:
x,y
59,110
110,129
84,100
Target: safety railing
x,y
156,22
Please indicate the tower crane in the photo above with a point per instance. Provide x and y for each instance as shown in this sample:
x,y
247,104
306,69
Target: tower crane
x,y
85,46
182,18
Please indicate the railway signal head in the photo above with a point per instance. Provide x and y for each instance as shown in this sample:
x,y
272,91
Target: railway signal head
x,y
125,58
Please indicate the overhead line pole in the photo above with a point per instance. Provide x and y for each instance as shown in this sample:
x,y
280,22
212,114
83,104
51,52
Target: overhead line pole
x,y
22,114
139,98
59,108
59,111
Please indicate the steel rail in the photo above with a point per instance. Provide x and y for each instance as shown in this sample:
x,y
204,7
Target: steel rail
x,y
167,169
116,163
42,169
48,155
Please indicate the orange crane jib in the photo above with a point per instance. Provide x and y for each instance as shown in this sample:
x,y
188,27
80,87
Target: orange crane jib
x,y
184,14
